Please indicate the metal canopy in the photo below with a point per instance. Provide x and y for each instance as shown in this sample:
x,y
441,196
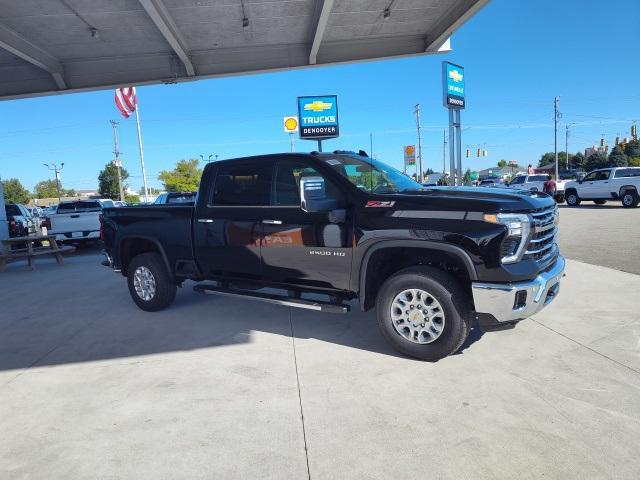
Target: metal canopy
x,y
58,46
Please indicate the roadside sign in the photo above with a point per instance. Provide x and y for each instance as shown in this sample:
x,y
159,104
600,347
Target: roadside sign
x,y
474,176
290,124
409,155
513,163
318,117
453,86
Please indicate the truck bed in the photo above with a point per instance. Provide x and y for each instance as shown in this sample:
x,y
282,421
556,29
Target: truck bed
x,y
166,226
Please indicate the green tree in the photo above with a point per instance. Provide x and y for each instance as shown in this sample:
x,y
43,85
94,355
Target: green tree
x,y
502,163
184,178
632,149
617,157
14,192
577,161
131,199
596,160
466,178
48,189
108,181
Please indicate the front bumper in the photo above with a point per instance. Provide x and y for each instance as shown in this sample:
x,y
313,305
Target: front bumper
x,y
514,301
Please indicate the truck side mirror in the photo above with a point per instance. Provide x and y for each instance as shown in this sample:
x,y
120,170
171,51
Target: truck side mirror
x,y
313,196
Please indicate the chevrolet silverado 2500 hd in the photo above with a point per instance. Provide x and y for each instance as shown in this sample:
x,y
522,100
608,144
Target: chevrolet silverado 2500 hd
x,y
345,226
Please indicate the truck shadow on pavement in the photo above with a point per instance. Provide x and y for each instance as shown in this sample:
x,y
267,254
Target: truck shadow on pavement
x,y
82,312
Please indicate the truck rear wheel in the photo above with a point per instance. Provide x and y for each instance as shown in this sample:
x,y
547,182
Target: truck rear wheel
x,y
150,285
424,313
630,199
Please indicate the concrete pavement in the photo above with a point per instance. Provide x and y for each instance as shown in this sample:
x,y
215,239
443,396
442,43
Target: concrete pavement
x,y
92,387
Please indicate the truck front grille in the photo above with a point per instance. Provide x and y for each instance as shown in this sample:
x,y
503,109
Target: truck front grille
x,y
542,245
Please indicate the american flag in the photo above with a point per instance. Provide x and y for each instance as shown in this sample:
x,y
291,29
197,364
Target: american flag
x,y
126,100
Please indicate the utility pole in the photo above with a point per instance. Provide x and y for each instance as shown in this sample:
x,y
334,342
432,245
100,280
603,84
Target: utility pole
x,y
566,144
117,162
420,176
444,150
371,144
54,167
556,115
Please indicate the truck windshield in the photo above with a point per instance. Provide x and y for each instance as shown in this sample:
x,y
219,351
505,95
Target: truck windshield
x,y
372,175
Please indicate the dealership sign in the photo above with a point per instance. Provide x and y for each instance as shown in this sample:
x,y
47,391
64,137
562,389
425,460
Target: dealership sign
x,y
453,85
318,117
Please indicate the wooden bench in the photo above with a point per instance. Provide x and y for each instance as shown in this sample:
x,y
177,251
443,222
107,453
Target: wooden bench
x,y
31,251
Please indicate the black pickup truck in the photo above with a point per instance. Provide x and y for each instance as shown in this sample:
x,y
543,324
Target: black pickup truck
x,y
321,229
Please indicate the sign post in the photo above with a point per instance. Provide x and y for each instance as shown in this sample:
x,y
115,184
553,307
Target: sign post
x,y
318,118
453,96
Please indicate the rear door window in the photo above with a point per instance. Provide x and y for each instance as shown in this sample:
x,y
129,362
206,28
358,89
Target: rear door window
x,y
243,184
538,178
627,172
88,206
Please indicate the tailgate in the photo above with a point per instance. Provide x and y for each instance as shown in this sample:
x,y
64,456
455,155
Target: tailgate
x,y
74,222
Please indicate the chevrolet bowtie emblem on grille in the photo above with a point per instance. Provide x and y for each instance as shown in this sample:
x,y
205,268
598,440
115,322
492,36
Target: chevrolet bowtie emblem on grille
x,y
317,106
456,76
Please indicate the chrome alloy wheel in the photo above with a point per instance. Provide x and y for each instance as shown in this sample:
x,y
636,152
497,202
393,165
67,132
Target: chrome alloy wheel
x,y
627,199
417,316
145,283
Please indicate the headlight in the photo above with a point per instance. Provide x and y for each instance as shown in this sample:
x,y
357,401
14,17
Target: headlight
x,y
518,231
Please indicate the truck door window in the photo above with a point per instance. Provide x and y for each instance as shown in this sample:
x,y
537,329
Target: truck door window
x,y
243,184
604,175
591,177
286,191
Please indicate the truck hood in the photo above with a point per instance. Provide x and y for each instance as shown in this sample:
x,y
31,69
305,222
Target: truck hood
x,y
476,199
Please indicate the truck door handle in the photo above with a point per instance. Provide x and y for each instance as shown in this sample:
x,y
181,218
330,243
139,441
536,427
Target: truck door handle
x,y
75,216
272,222
205,220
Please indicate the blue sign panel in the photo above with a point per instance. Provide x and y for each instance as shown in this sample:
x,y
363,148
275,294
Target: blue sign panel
x,y
318,117
453,85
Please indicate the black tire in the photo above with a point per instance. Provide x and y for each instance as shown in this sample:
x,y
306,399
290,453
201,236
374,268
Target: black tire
x,y
165,288
630,199
599,202
444,288
572,198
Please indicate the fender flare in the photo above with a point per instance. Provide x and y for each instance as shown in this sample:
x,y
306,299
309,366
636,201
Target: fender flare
x,y
624,188
155,241
454,250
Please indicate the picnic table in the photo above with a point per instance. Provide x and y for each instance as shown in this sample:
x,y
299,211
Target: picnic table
x,y
30,251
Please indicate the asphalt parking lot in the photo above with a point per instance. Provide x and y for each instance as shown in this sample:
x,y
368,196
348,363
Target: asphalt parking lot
x,y
92,387
607,235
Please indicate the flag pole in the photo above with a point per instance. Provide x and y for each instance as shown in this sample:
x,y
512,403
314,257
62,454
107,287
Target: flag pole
x,y
144,172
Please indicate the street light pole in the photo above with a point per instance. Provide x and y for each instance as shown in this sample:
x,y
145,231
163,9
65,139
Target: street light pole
x,y
566,144
556,115
54,167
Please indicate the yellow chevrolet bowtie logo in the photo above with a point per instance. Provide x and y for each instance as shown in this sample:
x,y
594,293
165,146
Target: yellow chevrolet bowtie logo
x,y
317,106
456,76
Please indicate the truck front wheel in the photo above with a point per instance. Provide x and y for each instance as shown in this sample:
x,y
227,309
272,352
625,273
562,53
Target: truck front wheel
x,y
424,313
572,198
149,282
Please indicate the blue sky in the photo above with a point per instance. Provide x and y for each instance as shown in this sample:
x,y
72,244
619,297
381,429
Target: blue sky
x,y
518,55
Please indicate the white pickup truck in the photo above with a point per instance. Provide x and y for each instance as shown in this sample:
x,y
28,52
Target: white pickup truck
x,y
78,221
536,183
620,183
